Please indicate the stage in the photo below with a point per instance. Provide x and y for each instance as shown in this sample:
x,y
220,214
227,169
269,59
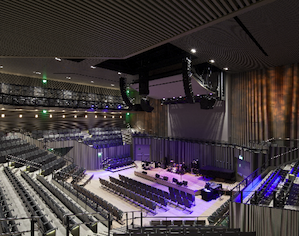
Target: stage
x,y
195,183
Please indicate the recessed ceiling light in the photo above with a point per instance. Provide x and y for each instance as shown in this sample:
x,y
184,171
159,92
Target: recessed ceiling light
x,y
63,116
112,85
68,77
37,72
57,59
105,116
212,61
2,115
225,68
93,67
63,110
193,50
119,73
86,116
75,116
2,108
1,67
50,116
95,116
36,110
112,116
120,116
20,115
92,81
36,116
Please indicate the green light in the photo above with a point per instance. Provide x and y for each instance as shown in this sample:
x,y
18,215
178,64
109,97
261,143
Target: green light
x,y
44,81
128,91
44,111
128,114
99,154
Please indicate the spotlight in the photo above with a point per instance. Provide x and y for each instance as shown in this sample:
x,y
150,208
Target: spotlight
x,y
86,116
225,68
193,50
75,116
36,116
95,116
20,116
50,116
44,111
63,116
212,61
105,117
2,115
44,81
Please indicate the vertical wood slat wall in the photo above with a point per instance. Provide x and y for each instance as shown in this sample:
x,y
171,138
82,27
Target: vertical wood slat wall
x,y
264,105
154,122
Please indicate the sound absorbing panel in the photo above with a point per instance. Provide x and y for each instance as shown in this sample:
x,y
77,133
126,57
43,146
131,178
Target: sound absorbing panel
x,y
187,66
122,87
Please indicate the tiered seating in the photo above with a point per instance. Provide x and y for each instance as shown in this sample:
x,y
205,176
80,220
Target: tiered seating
x,y
104,138
130,195
97,203
41,161
78,175
9,226
66,172
219,213
44,224
293,196
58,135
54,165
117,162
265,191
26,158
52,204
69,204
117,213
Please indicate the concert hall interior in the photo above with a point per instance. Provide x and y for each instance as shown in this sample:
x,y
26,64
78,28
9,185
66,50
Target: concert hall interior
x,y
171,117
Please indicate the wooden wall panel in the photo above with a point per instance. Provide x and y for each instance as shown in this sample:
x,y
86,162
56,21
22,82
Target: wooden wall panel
x,y
264,105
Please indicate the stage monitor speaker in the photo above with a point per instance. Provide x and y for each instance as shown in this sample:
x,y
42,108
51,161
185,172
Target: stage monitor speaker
x,y
122,87
157,176
145,105
187,73
144,172
165,178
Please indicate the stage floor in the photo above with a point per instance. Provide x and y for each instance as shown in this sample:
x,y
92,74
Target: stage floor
x,y
202,209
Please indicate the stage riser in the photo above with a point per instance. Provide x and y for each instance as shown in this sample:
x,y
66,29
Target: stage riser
x,y
167,183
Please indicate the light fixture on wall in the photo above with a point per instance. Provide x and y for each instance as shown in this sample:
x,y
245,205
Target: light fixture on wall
x,y
20,116
2,115
36,116
75,116
50,116
105,117
63,116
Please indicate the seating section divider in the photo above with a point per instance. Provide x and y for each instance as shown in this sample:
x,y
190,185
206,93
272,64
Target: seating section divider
x,y
52,204
44,224
89,221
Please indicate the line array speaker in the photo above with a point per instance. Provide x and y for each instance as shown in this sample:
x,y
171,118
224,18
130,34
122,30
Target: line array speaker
x,y
122,87
187,73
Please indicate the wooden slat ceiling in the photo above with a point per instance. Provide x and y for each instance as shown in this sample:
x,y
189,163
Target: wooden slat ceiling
x,y
34,32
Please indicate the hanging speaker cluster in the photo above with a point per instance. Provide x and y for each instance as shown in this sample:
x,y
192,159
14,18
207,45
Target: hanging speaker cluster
x,y
187,73
123,91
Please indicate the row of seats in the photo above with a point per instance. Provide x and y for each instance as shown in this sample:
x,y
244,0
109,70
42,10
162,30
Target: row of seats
x,y
106,143
18,151
25,158
117,213
41,161
36,134
13,144
117,162
98,206
66,172
69,204
176,196
52,166
8,139
44,224
129,195
293,196
190,231
9,226
52,204
264,190
219,213
181,198
78,175
62,137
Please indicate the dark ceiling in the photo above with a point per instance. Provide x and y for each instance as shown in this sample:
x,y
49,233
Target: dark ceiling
x,y
242,35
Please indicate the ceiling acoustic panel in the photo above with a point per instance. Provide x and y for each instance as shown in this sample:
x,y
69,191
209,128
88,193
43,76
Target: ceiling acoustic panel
x,y
103,29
